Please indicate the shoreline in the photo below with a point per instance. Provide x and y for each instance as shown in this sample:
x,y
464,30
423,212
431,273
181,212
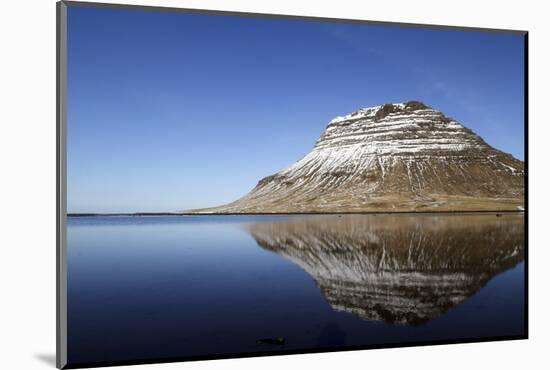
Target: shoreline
x,y
141,214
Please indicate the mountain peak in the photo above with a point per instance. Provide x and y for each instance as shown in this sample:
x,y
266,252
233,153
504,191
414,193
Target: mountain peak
x,y
381,111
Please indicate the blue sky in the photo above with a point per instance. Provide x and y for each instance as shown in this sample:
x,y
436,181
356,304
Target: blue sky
x,y
171,111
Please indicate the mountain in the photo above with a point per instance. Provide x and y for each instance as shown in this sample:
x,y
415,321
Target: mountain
x,y
400,269
393,157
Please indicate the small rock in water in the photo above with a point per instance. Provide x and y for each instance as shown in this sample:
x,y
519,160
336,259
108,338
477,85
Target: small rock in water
x,y
277,341
499,215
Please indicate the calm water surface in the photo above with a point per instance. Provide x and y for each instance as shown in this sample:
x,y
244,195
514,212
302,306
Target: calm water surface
x,y
162,287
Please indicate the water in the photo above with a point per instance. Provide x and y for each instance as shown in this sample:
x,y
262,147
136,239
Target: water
x,y
168,287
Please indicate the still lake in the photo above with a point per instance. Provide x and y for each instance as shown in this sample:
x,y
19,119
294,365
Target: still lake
x,y
181,286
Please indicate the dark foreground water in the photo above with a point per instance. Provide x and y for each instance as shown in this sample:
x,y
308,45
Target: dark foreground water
x,y
163,287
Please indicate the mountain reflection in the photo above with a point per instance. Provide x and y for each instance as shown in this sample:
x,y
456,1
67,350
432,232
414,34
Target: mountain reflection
x,y
402,269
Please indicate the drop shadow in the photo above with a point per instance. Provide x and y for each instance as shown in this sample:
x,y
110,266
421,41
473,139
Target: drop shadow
x,y
47,358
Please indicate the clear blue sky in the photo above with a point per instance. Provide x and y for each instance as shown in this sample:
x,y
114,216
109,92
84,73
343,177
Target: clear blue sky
x,y
171,111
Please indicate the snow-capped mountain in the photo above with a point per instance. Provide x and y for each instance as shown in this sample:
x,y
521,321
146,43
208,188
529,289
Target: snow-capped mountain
x,y
393,157
400,269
